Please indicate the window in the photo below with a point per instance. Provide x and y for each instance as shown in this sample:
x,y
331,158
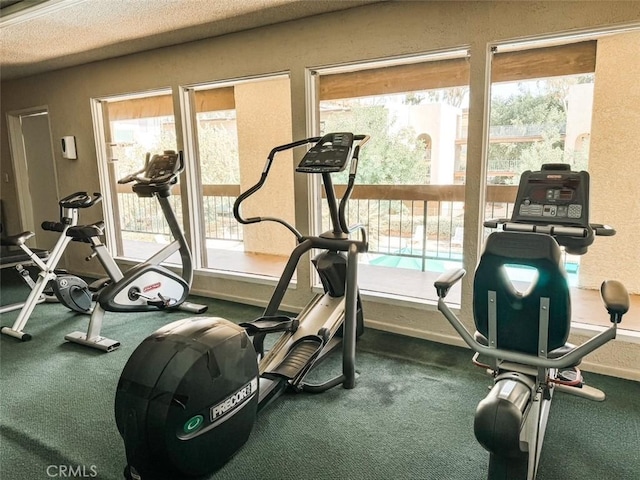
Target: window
x,y
407,193
234,127
569,103
132,127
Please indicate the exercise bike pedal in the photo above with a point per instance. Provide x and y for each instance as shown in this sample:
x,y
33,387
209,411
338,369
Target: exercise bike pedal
x,y
99,284
192,307
584,391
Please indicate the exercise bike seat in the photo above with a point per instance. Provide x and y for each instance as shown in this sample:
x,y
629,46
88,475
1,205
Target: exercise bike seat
x,y
83,233
16,240
516,314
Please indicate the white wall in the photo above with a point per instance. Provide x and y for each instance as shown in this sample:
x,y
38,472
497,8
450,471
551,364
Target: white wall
x,y
614,162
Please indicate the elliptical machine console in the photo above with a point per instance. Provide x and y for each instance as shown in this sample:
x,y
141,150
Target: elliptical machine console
x,y
521,336
189,395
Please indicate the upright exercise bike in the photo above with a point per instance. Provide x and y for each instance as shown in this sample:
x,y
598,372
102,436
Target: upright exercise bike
x,y
188,397
68,289
521,335
147,286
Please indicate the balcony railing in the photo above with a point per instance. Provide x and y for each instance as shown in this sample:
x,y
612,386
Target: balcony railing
x,y
520,131
409,226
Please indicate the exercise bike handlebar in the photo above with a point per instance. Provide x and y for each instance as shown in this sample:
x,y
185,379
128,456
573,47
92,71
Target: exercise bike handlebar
x,y
71,202
551,229
80,200
169,177
616,291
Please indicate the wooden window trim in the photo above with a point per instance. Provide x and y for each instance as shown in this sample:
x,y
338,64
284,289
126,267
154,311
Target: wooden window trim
x,y
569,59
146,107
395,79
215,99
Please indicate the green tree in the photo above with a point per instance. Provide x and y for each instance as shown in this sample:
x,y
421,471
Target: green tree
x,y
540,115
392,156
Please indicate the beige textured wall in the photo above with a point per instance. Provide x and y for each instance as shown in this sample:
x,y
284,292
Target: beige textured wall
x,y
263,110
365,33
614,163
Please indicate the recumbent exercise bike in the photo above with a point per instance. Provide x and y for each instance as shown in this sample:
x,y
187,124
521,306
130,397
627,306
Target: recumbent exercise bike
x,y
521,335
188,396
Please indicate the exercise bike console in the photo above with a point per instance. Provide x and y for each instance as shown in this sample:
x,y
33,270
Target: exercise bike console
x,y
553,195
158,175
554,201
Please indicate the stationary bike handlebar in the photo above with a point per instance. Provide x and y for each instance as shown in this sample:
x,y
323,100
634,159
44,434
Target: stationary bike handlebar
x,y
551,229
140,176
71,202
80,200
614,296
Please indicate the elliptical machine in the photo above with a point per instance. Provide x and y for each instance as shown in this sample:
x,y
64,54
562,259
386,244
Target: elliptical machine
x,y
147,286
521,335
70,290
188,396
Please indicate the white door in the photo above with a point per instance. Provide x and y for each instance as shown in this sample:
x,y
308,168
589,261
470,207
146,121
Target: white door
x,y
35,174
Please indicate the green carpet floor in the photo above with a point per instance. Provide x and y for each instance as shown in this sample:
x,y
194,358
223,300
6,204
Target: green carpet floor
x,y
409,417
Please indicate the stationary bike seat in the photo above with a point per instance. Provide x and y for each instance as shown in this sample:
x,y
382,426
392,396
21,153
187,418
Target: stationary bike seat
x,y
85,232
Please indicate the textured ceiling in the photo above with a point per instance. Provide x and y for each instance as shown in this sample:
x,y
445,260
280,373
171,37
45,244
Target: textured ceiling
x,y
61,33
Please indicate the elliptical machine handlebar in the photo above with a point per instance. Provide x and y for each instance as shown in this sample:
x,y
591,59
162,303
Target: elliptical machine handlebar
x,y
347,194
318,141
263,178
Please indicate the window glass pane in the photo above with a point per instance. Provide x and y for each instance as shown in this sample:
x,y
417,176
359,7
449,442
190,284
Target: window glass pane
x,y
568,104
410,192
220,177
138,126
237,126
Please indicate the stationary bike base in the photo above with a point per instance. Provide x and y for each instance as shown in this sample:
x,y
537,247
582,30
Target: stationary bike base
x,y
100,343
22,336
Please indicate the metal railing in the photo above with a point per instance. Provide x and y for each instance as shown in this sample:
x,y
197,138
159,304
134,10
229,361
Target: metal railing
x,y
411,226
144,216
520,131
408,225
